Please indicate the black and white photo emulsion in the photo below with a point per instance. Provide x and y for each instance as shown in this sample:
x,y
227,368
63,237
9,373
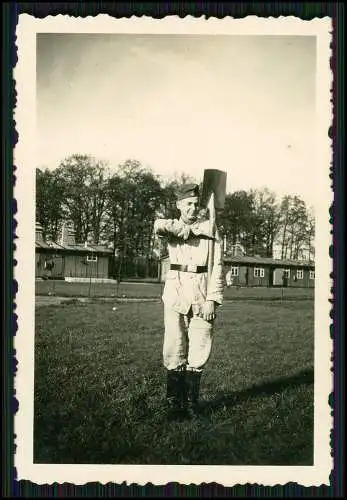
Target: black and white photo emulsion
x,y
123,121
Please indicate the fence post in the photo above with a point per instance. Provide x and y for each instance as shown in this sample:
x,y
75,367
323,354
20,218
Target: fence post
x,y
90,276
54,256
90,283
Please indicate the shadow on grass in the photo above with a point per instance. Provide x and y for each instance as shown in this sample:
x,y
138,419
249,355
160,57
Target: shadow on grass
x,y
125,432
305,377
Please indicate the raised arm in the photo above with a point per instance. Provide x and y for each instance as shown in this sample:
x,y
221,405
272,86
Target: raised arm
x,y
171,227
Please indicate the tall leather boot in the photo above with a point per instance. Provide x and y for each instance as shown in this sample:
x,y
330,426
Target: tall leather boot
x,y
193,389
175,394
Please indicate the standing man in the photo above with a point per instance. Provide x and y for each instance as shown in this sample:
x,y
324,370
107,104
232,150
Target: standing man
x,y
190,300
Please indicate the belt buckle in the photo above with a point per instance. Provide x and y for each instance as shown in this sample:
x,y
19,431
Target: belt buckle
x,y
192,268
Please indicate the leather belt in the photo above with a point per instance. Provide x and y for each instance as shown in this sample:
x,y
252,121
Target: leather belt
x,y
189,268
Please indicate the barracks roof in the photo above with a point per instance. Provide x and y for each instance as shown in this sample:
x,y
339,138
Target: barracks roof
x,y
247,259
73,248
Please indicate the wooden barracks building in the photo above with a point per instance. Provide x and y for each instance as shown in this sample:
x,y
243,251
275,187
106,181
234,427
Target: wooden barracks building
x,y
264,271
66,259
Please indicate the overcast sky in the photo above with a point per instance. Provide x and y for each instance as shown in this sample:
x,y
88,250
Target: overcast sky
x,y
244,104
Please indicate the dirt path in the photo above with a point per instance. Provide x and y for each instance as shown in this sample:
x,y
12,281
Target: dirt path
x,y
43,300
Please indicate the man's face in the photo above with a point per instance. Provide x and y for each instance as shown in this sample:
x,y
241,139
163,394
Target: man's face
x,y
189,208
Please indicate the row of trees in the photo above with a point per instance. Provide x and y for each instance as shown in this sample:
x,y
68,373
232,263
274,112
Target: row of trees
x,y
119,208
261,224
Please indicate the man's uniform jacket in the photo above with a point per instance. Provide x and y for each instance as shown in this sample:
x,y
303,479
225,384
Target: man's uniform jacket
x,y
188,245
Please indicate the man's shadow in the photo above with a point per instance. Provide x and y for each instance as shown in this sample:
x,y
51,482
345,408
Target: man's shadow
x,y
222,399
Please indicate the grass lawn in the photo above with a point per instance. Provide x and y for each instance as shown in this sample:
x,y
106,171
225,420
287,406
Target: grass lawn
x,y
100,386
154,290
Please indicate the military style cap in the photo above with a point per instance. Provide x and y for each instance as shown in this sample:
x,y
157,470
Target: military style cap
x,y
187,191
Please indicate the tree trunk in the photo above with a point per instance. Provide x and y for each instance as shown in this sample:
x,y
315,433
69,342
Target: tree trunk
x,y
283,253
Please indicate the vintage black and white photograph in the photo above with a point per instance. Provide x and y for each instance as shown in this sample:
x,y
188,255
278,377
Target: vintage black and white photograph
x,y
176,244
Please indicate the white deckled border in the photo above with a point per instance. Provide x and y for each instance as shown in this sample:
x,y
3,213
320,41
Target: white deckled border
x,y
24,273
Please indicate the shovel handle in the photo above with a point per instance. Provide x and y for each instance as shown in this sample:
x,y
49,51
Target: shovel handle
x,y
212,213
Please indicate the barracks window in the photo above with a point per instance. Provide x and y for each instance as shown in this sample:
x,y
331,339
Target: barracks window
x,y
259,272
234,270
92,258
312,275
300,274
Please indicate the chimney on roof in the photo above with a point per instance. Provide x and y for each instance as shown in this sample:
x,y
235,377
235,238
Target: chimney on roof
x,y
38,233
237,250
89,241
67,235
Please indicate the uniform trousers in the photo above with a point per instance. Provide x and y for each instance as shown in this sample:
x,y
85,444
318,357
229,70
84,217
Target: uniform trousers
x,y
187,340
